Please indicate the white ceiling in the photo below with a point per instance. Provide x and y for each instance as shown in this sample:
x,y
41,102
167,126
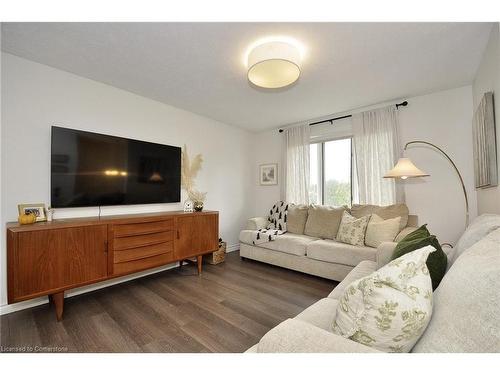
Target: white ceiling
x,y
199,66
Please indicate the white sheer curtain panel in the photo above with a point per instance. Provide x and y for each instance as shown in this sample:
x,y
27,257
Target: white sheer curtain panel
x,y
376,150
296,164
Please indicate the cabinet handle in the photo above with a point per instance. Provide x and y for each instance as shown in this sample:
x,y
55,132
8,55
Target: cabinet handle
x,y
105,246
178,234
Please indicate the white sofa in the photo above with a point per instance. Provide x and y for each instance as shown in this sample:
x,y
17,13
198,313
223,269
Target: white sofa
x,y
317,256
466,305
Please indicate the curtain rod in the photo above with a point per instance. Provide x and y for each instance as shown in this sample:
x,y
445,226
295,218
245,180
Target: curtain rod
x,y
331,120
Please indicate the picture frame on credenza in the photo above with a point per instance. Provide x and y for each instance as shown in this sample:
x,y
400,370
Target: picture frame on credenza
x,y
38,209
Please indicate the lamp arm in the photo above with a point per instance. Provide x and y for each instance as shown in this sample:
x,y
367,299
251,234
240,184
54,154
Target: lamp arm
x,y
456,170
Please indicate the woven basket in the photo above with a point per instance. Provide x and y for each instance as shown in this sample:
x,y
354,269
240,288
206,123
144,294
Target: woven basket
x,y
217,256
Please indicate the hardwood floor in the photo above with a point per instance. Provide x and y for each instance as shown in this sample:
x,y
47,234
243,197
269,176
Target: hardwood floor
x,y
226,309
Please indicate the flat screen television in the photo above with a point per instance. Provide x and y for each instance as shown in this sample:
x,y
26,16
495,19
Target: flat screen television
x,y
90,169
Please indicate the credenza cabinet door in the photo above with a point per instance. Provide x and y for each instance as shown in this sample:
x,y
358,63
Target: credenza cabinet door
x,y
196,235
58,258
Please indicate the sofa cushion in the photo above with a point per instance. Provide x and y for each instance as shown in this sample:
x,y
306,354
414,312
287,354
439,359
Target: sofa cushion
x,y
297,217
363,269
338,252
297,336
352,230
467,303
380,230
389,309
289,243
480,227
323,221
385,212
436,263
321,314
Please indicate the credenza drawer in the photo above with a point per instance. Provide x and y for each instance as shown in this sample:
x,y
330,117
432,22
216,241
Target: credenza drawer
x,y
135,253
123,243
142,264
125,230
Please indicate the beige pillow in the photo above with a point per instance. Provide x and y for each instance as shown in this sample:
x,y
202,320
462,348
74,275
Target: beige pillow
x,y
323,221
352,230
380,230
406,231
385,212
296,218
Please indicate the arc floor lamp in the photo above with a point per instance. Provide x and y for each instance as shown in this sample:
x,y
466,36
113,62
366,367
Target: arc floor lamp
x,y
405,168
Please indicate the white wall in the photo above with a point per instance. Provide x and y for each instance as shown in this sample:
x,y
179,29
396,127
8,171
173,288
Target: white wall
x,y
36,96
267,149
488,79
443,118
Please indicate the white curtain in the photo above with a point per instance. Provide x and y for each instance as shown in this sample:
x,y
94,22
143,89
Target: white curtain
x,y
376,151
296,164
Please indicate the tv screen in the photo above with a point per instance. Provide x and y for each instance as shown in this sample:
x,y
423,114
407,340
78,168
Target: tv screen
x,y
90,169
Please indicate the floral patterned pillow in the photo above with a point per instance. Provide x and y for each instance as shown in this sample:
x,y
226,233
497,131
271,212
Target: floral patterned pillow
x,y
389,309
352,230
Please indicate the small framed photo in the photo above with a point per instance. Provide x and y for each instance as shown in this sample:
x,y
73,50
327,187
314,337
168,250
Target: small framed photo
x,y
33,208
268,174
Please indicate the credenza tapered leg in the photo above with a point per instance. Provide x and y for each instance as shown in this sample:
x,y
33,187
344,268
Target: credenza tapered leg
x,y
58,300
199,260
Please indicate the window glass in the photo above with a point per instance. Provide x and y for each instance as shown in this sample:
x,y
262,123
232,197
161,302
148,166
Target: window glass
x,y
330,173
337,172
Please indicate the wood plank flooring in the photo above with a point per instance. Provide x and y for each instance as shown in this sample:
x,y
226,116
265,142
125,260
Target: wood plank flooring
x,y
226,309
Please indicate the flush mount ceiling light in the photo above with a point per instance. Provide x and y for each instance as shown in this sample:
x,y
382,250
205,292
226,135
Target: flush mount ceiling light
x,y
273,64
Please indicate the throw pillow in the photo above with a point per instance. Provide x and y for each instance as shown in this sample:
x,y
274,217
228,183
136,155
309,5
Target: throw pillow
x,y
352,230
385,212
437,261
389,309
380,230
278,216
406,231
296,218
323,221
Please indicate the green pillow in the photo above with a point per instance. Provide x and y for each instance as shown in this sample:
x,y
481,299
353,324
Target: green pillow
x,y
421,232
436,262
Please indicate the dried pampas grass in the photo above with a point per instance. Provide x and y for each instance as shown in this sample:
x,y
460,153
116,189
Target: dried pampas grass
x,y
189,171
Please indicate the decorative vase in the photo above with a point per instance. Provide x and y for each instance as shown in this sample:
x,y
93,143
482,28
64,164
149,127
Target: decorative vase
x,y
50,214
26,219
198,206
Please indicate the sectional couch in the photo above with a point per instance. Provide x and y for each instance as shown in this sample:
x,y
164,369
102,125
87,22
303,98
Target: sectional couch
x,y
466,305
310,246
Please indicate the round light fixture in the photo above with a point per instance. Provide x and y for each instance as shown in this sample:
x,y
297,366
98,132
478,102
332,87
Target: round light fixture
x,y
273,64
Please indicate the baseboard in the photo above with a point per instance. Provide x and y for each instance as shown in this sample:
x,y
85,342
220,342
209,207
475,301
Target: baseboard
x,y
7,309
233,247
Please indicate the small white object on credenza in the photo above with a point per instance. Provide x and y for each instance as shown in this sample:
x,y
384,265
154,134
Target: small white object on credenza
x,y
188,206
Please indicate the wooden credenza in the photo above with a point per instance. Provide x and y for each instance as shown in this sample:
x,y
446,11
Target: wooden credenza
x,y
51,257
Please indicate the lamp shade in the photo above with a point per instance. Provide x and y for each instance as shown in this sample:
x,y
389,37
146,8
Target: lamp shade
x,y
403,169
273,65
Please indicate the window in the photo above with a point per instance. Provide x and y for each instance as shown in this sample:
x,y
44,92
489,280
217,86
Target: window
x,y
330,177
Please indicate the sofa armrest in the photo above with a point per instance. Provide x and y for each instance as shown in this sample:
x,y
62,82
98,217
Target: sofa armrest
x,y
384,253
256,223
296,336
